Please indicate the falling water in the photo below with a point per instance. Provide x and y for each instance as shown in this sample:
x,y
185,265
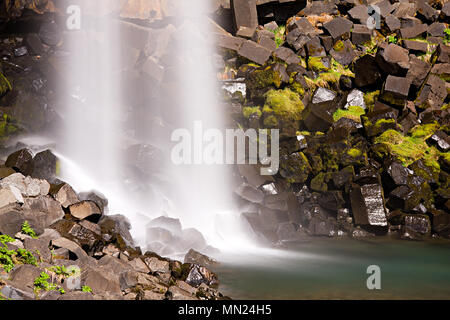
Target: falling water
x,y
94,139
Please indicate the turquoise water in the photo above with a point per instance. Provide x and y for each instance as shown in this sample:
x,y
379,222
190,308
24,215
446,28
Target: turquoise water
x,y
337,269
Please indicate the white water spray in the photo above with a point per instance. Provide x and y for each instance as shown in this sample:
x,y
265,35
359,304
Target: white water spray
x,y
91,151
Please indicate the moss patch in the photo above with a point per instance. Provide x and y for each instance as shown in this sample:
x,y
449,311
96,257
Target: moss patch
x,y
408,149
370,98
316,64
353,112
5,85
353,152
284,103
329,78
250,111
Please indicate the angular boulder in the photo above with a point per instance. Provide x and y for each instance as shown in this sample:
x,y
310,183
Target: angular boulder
x,y
368,205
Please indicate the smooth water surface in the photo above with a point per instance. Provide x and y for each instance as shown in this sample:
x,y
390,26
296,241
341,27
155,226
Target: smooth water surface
x,y
337,269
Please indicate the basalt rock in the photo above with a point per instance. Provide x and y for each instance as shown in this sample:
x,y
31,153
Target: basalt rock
x,y
254,52
339,27
295,167
367,71
368,205
395,90
416,227
44,165
85,209
393,60
22,161
343,52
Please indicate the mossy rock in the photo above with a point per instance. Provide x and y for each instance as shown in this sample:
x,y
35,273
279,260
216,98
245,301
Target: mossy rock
x,y
319,182
316,64
283,110
5,85
247,112
370,98
353,112
380,126
261,80
408,149
295,168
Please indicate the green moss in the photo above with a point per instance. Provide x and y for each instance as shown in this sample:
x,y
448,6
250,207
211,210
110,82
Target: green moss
x,y
264,78
318,182
353,112
381,122
370,98
424,131
271,121
316,64
408,149
250,111
5,85
296,86
329,78
447,36
338,46
8,126
392,39
353,152
283,103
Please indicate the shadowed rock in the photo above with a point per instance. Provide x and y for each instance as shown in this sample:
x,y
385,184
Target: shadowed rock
x,y
395,91
21,160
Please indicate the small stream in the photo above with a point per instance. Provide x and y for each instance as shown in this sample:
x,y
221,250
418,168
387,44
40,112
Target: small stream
x,y
336,269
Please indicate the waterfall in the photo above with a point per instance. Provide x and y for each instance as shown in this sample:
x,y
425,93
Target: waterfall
x,y
95,139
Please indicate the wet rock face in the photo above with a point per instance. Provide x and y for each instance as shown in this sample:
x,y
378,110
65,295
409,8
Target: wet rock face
x,y
21,160
416,227
368,205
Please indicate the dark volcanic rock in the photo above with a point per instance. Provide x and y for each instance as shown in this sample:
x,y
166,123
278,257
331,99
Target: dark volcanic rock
x,y
50,34
254,52
318,117
45,163
413,31
418,71
397,173
359,13
416,227
395,91
393,60
404,198
295,167
34,44
366,71
85,209
250,193
343,52
338,27
314,48
368,205
361,34
392,22
287,55
244,13
21,160
432,94
415,46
